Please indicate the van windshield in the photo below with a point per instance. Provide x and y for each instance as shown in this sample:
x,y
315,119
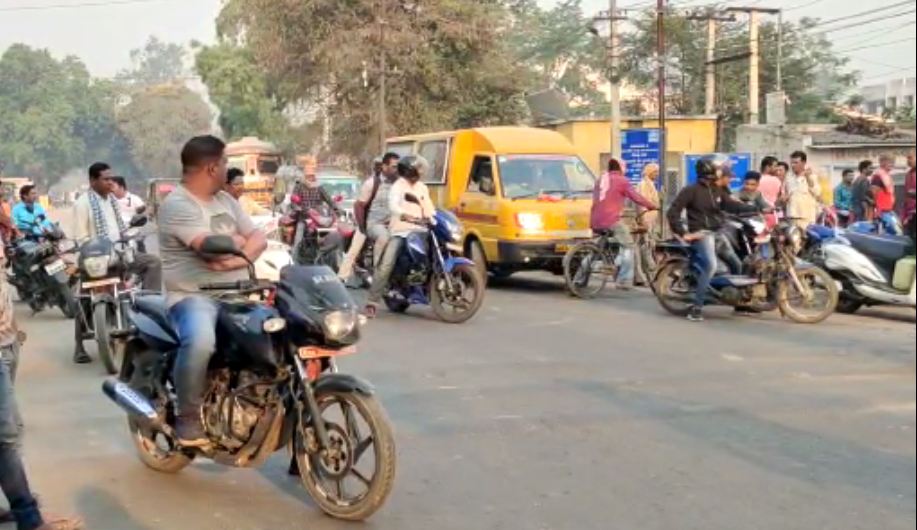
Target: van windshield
x,y
525,176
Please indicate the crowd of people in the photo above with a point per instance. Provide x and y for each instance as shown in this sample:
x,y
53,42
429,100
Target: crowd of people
x,y
868,193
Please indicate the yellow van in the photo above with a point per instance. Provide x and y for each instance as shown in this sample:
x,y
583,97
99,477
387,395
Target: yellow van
x,y
522,194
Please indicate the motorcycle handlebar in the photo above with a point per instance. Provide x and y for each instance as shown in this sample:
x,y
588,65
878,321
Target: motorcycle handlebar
x,y
241,285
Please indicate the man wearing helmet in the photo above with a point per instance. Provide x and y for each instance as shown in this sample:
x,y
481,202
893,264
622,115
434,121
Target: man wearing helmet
x,y
703,202
409,204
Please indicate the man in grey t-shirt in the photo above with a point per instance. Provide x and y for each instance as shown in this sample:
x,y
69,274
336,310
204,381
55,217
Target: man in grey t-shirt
x,y
198,208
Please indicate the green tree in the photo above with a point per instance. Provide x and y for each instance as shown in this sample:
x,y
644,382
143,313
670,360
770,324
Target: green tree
x,y
156,63
53,116
157,122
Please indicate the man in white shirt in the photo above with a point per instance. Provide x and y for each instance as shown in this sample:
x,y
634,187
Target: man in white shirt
x,y
129,204
97,214
405,217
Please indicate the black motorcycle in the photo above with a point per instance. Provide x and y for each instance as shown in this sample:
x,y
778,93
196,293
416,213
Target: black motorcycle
x,y
273,384
39,272
105,288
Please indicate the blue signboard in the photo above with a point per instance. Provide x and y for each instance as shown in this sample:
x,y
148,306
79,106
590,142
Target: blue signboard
x,y
639,147
739,164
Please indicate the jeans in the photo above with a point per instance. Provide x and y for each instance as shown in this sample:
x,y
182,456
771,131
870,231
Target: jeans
x,y
703,253
726,252
195,320
384,269
149,267
626,257
10,357
13,481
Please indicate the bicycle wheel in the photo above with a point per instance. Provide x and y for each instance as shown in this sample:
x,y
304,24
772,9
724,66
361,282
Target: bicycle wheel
x,y
586,271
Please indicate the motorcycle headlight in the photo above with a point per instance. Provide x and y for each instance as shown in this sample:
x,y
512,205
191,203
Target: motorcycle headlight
x,y
339,324
96,266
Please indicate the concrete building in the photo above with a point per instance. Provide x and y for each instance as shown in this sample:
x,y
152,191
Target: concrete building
x,y
829,151
889,96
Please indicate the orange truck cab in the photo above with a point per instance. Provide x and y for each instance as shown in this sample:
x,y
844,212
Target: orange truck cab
x,y
522,194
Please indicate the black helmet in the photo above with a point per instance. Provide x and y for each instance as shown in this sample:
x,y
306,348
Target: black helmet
x,y
706,168
413,167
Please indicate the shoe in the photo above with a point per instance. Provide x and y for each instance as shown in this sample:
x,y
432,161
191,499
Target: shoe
x,y
695,314
62,523
6,516
81,357
189,431
746,311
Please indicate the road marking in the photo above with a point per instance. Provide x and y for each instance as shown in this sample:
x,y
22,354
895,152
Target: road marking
x,y
732,358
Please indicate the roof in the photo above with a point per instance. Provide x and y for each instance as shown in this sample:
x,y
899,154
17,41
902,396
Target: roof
x,y
829,139
251,145
511,140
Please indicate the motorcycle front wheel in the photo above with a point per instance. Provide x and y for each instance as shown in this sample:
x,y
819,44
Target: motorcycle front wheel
x,y
352,478
462,301
103,320
814,299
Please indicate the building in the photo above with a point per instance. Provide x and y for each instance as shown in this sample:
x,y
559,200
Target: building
x,y
889,96
829,150
591,137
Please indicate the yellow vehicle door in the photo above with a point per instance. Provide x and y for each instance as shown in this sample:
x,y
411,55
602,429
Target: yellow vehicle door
x,y
478,206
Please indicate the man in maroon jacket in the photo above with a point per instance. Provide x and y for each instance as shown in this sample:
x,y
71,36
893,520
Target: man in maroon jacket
x,y
608,200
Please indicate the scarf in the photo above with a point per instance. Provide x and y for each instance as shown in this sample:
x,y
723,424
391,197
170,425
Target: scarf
x,y
98,219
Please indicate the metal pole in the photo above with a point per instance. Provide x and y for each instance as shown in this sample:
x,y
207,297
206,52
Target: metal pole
x,y
660,73
382,73
780,51
614,79
710,100
753,96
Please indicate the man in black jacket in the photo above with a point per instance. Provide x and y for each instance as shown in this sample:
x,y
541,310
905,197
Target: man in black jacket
x,y
704,203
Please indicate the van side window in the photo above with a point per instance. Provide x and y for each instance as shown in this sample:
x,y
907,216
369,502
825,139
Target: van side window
x,y
482,176
435,152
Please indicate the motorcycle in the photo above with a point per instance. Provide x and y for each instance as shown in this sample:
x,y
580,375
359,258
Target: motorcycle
x,y
39,271
886,224
105,289
431,270
774,278
273,384
873,269
317,236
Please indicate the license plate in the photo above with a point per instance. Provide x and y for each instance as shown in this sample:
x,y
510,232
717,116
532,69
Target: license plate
x,y
314,352
101,283
562,248
55,267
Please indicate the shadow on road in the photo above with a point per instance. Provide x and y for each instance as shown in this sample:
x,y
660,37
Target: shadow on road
x,y
100,510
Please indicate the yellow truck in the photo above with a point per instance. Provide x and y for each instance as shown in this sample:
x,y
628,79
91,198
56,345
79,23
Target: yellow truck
x,y
522,194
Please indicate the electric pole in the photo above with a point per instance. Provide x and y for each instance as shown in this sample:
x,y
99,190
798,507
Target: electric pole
x,y
660,80
382,72
754,58
614,78
710,64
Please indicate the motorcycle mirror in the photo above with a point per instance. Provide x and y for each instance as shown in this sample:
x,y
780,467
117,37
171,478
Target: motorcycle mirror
x,y
410,197
138,221
339,198
141,209
219,245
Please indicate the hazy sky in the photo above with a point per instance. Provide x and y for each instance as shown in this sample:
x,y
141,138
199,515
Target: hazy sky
x,y
101,32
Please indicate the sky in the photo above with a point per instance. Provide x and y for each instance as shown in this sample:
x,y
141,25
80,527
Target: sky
x,y
102,32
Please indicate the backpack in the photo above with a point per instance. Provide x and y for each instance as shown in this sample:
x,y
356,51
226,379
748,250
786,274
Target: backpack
x,y
361,209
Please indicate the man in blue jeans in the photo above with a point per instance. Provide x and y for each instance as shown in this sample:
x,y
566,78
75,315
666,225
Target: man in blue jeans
x,y
13,482
199,208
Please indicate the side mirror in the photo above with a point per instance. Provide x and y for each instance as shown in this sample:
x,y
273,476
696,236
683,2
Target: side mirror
x,y
141,209
487,186
410,197
220,246
137,221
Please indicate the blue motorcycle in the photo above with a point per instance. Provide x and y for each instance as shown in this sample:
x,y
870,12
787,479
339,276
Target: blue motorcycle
x,y
432,271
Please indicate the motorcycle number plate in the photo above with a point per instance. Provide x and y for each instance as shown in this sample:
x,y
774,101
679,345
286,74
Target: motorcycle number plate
x,y
101,283
55,267
314,352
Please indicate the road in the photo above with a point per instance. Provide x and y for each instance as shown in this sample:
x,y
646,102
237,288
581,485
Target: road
x,y
545,413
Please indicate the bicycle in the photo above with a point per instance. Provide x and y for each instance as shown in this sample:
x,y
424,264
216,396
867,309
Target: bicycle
x,y
589,265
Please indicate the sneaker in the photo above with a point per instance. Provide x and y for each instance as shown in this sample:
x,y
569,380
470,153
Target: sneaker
x,y
62,523
189,431
81,357
746,311
695,314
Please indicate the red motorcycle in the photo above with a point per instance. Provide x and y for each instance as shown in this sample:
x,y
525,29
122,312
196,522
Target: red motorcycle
x,y
318,236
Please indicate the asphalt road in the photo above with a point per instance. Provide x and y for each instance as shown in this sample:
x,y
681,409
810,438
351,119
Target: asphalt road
x,y
545,412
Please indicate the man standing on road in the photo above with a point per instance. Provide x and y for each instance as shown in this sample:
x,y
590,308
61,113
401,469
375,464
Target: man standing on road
x,y
843,197
611,192
128,203
801,191
199,208
883,187
23,506
97,214
770,185
863,202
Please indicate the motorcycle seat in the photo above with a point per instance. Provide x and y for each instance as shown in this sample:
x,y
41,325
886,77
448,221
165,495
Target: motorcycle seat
x,y
726,280
884,248
154,306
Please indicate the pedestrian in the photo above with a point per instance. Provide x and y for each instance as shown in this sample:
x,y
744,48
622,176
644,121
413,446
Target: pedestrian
x,y
128,203
910,186
883,187
862,199
782,170
24,509
843,197
611,191
801,191
648,188
8,230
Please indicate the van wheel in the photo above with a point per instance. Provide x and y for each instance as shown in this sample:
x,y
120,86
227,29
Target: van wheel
x,y
476,254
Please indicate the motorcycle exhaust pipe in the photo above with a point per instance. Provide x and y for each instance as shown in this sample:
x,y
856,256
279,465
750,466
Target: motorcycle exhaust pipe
x,y
136,405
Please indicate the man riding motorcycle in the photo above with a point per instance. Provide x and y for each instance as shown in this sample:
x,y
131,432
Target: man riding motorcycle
x,y
704,204
404,218
196,209
98,215
29,216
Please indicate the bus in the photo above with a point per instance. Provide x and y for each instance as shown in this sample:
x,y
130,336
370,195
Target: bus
x,y
260,161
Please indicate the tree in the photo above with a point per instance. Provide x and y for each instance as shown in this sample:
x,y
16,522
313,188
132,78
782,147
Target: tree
x,y
157,122
447,63
53,116
156,63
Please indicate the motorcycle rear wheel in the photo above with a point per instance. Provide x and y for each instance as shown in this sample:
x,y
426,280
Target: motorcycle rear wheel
x,y
673,288
156,451
326,480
